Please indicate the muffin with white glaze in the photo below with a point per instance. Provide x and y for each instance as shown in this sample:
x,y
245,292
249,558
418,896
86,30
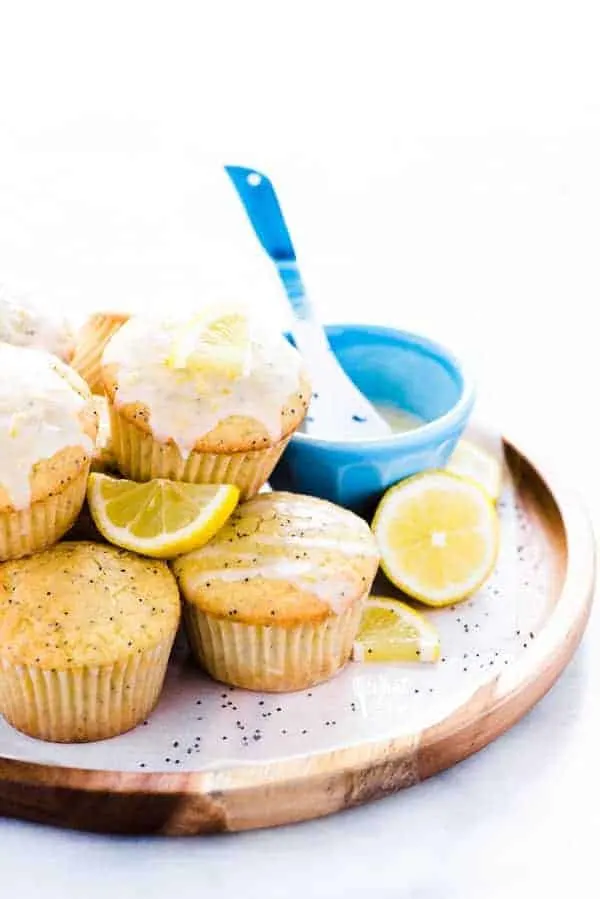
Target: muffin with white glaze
x,y
47,432
25,323
90,344
214,399
273,601
85,636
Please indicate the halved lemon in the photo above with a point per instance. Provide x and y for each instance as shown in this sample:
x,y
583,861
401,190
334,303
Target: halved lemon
x,y
159,518
471,461
212,342
391,631
438,535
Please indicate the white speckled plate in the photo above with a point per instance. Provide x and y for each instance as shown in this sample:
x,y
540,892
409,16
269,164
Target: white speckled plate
x,y
218,758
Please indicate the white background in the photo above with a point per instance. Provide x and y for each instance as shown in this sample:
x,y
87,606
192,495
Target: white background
x,y
439,165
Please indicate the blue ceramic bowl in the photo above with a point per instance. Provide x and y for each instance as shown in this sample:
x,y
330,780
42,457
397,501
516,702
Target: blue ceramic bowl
x,y
393,368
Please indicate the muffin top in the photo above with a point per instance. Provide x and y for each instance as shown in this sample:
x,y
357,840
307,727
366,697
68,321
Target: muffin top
x,y
45,407
22,323
84,604
281,559
219,381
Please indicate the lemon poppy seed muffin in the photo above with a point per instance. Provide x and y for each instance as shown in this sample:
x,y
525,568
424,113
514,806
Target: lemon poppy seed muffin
x,y
47,432
85,636
90,343
273,602
25,324
213,399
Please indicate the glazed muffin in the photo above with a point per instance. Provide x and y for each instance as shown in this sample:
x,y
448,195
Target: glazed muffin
x,y
25,324
214,399
91,341
85,636
47,432
273,602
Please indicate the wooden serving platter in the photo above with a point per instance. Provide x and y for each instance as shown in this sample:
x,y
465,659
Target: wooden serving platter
x,y
213,758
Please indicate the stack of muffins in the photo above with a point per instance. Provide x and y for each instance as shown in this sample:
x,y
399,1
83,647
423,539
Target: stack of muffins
x,y
272,602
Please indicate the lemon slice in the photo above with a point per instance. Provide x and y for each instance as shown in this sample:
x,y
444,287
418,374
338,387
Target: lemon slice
x,y
390,631
470,461
438,536
212,344
159,518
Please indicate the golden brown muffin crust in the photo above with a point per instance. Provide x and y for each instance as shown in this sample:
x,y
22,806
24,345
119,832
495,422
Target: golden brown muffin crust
x,y
84,604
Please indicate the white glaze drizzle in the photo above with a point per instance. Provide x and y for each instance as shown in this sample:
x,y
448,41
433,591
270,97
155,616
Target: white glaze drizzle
x,y
182,410
39,415
347,547
301,574
266,537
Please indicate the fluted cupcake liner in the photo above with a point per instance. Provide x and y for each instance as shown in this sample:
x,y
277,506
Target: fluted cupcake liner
x,y
272,658
42,524
84,703
91,342
140,457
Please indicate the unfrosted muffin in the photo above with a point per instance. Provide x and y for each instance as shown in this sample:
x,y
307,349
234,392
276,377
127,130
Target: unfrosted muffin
x,y
47,431
85,636
214,399
273,602
25,323
90,343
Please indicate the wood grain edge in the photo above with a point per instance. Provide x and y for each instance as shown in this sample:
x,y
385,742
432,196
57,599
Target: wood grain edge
x,y
261,796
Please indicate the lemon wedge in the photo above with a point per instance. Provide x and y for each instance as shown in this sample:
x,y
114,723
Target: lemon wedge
x,y
438,535
212,344
391,631
471,461
159,518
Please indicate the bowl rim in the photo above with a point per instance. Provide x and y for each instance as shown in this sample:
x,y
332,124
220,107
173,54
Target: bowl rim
x,y
432,431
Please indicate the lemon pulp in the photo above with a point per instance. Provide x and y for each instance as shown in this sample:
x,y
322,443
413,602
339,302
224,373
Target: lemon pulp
x,y
438,536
